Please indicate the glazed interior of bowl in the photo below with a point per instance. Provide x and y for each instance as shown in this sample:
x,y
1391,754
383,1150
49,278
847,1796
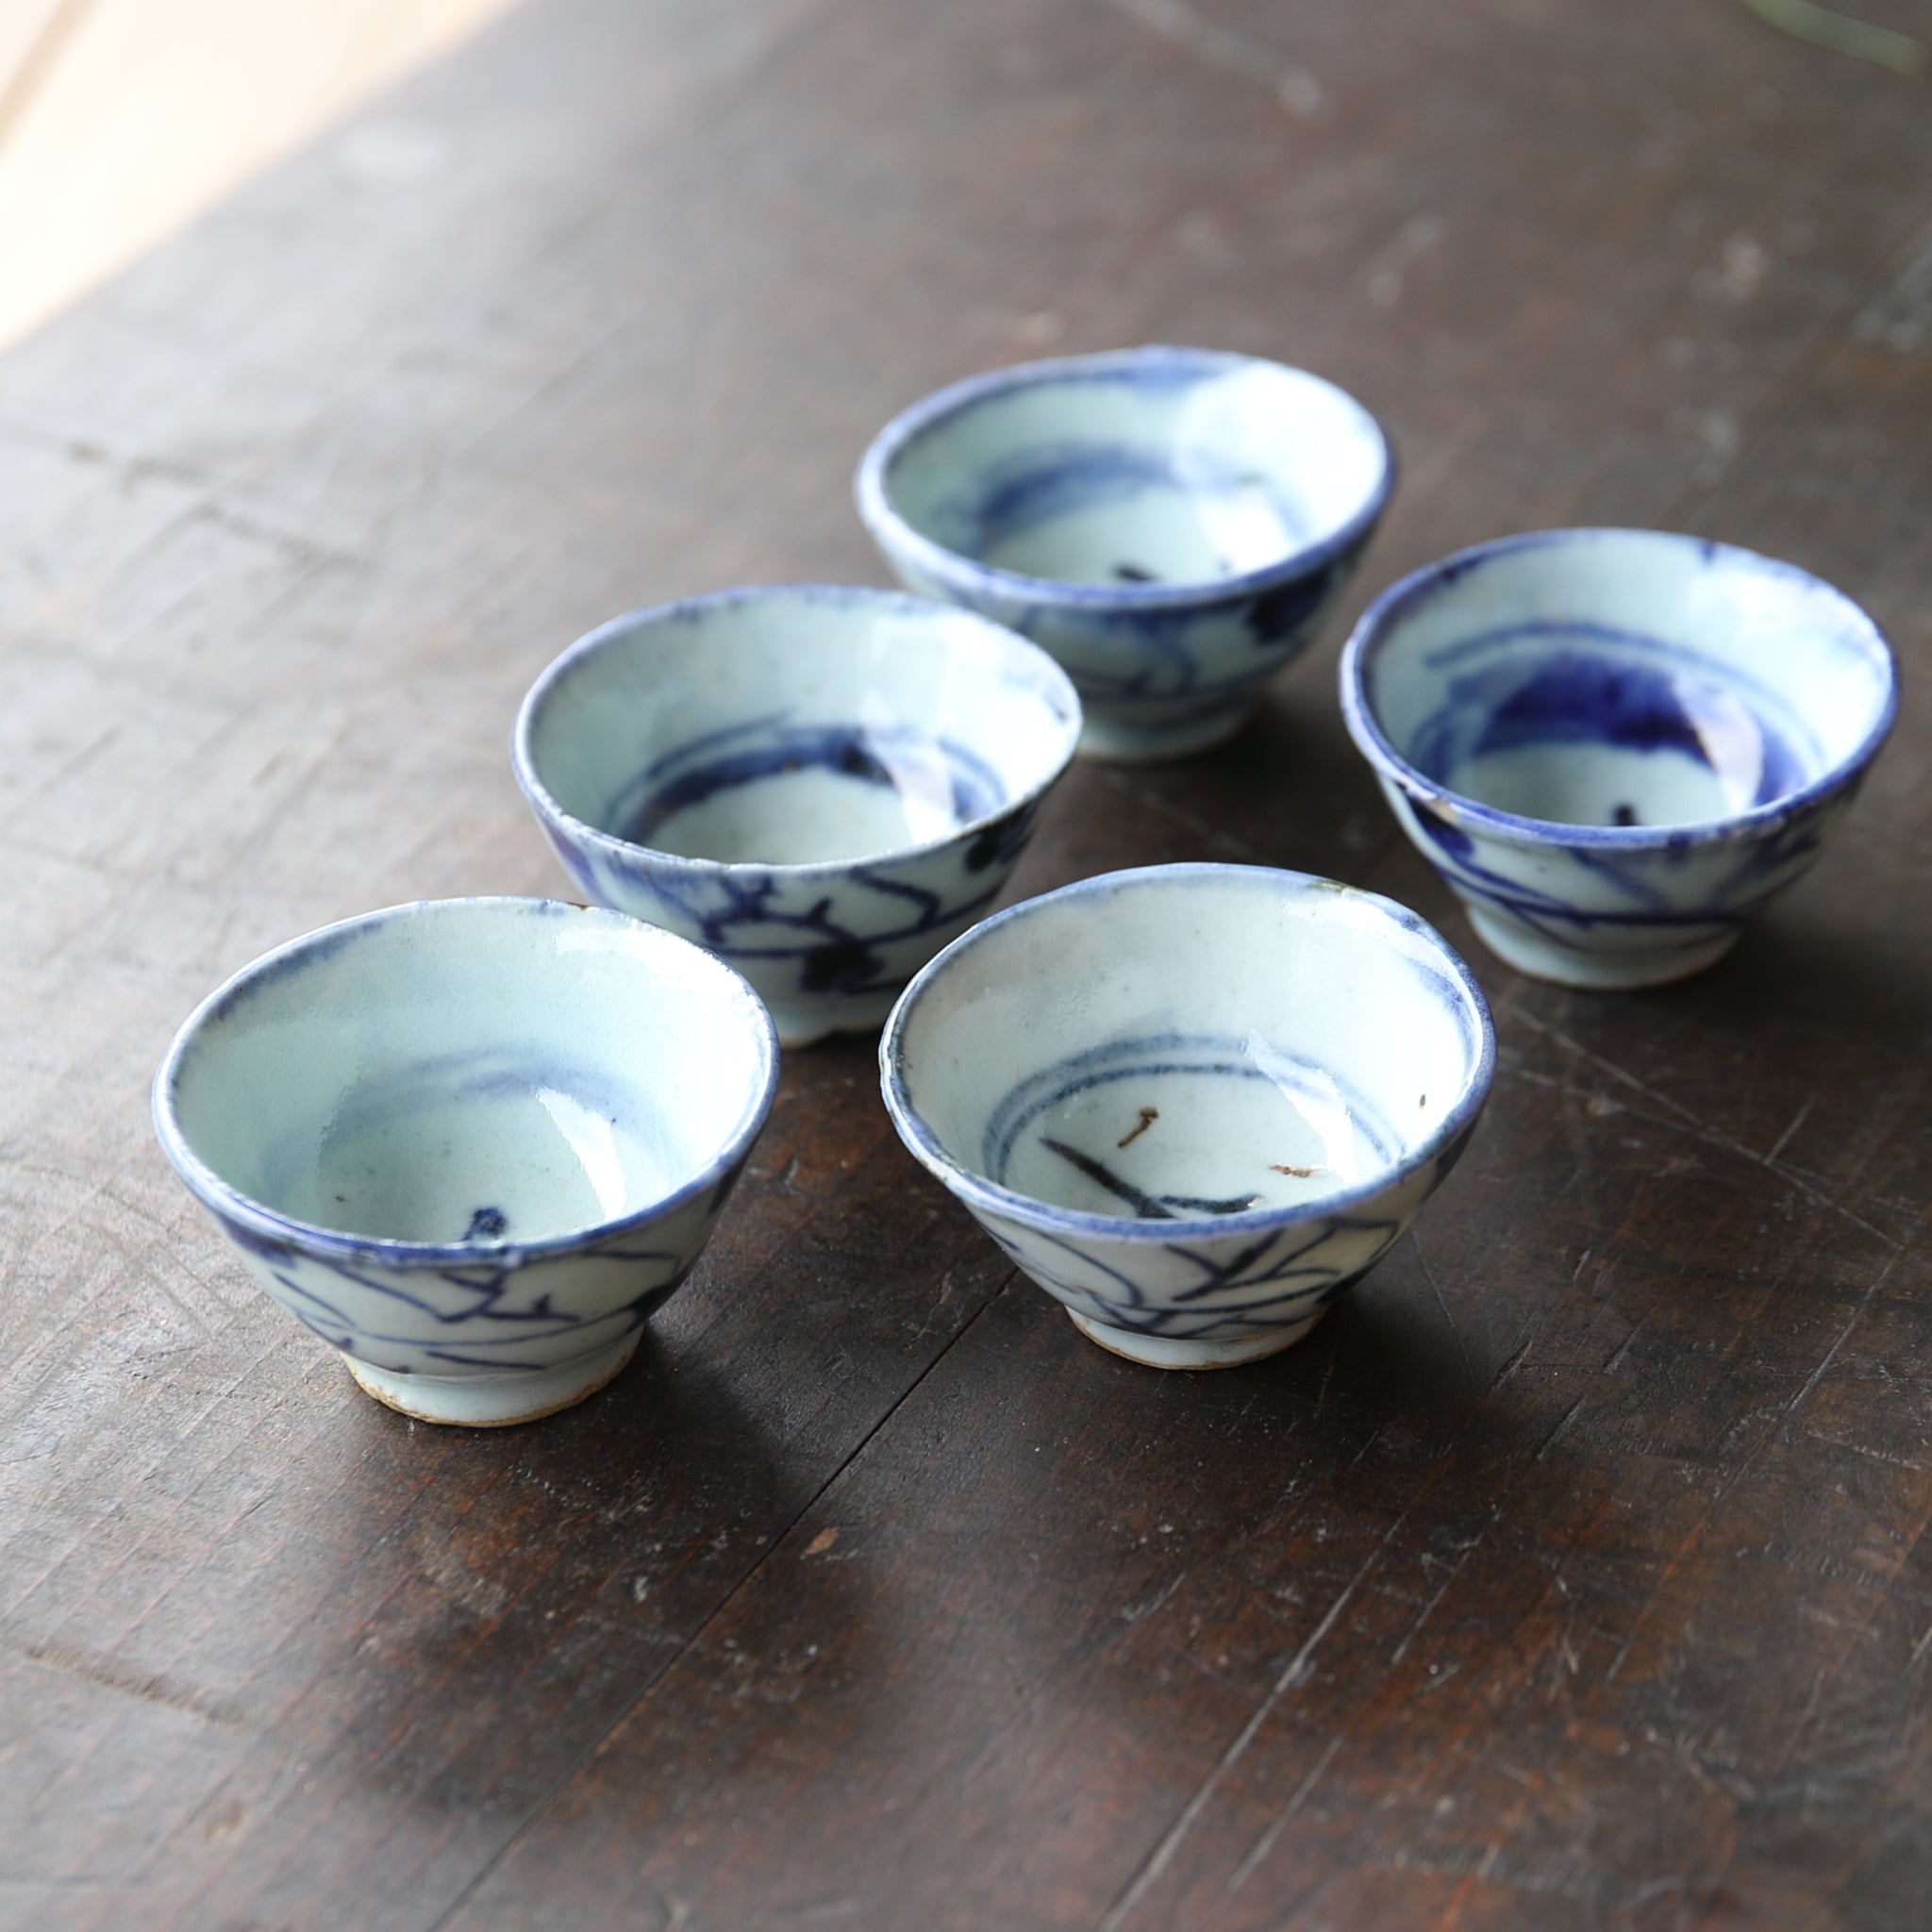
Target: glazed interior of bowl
x,y
798,726
1149,467
470,1071
1188,1042
1624,678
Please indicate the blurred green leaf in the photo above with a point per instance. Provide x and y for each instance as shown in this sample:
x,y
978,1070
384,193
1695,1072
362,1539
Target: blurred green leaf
x,y
1841,34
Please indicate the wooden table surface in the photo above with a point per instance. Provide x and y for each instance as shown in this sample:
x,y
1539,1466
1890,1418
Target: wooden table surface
x,y
1571,1576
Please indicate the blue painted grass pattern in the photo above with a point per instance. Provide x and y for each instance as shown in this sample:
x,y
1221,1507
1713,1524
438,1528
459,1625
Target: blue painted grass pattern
x,y
1224,1302
504,1313
867,932
1624,897
1191,1290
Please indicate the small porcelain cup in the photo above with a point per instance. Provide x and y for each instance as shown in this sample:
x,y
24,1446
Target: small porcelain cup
x,y
1172,524
473,1143
1616,745
821,785
1194,1103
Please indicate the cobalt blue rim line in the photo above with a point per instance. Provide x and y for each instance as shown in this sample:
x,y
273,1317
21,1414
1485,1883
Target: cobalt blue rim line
x,y
890,530
1054,688
228,1202
1032,1212
1376,625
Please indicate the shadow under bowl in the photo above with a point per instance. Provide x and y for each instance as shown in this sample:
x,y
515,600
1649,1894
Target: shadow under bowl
x,y
821,785
1616,746
1171,524
472,1144
1194,1103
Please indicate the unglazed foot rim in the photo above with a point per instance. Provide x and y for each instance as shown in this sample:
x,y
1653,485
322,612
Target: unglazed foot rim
x,y
495,1401
1595,972
1166,1352
1138,745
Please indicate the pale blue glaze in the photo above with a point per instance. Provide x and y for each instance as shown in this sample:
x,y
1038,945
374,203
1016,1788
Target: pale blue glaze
x,y
1690,718
820,784
1172,524
471,1143
1019,1068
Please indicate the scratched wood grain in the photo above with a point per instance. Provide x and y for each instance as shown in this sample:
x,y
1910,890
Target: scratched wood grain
x,y
1572,1575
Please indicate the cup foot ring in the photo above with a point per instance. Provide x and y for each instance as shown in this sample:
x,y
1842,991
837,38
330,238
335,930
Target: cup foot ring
x,y
1169,1351
496,1401
1605,971
1113,742
811,1021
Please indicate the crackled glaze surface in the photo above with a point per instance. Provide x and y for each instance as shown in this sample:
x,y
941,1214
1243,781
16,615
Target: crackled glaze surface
x,y
472,1144
1196,1161
821,785
1616,745
1171,524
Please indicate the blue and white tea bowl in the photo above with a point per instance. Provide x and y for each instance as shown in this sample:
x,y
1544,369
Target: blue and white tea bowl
x,y
1616,745
821,785
1172,524
473,1143
1194,1103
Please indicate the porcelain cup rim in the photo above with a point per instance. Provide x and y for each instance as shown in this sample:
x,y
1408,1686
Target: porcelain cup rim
x,y
1063,699
893,531
229,1203
1377,624
980,1192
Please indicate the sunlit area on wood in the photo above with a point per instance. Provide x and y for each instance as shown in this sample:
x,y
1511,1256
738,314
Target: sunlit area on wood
x,y
121,120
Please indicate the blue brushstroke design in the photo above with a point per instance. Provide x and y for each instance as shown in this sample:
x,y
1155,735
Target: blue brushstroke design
x,y
1580,700
1279,614
735,915
765,749
1763,869
1222,1302
484,1295
1210,1055
1600,682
